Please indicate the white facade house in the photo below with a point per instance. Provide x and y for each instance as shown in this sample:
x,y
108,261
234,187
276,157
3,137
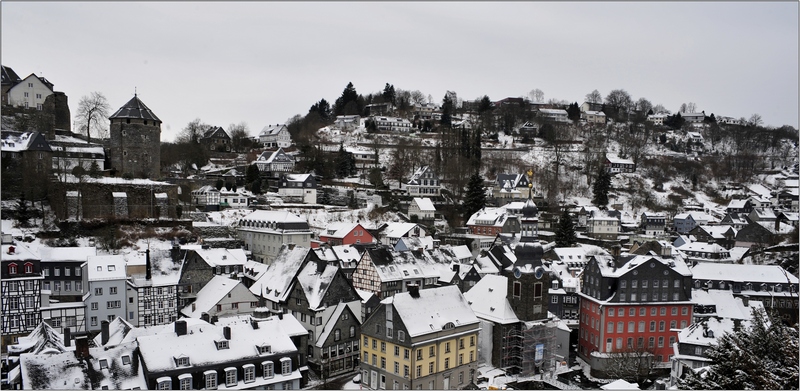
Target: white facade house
x,y
232,199
424,182
298,187
347,122
658,118
222,296
422,208
206,195
275,136
106,297
555,115
392,124
693,118
275,163
265,231
70,152
615,164
602,226
594,117
30,92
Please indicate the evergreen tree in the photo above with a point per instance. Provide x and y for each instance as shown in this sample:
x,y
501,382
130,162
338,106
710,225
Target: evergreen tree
x,y
345,163
601,186
565,233
348,103
574,112
323,108
448,109
389,95
255,187
251,174
219,184
23,213
762,357
475,198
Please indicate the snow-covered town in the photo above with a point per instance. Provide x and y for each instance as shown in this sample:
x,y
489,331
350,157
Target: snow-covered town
x,y
357,256
399,195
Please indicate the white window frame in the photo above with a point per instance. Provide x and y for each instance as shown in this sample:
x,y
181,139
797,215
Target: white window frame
x,y
286,366
183,380
210,379
228,372
249,373
269,369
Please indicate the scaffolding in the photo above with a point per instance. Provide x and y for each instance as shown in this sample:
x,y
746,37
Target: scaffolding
x,y
538,347
511,361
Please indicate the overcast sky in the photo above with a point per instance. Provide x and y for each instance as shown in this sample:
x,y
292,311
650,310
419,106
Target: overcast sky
x,y
262,63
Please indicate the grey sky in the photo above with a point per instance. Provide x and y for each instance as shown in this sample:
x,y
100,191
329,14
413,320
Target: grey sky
x,y
263,63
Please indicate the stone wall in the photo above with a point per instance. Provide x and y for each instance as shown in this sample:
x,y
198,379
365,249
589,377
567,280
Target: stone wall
x,y
97,201
135,148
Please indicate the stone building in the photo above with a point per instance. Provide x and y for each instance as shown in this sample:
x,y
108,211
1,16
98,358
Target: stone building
x,y
135,141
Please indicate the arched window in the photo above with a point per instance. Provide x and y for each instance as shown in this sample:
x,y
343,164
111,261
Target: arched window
x,y
12,268
28,267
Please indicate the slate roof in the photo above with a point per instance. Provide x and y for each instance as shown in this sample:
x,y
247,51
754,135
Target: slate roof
x,y
135,108
42,338
209,295
276,283
638,261
488,299
417,175
743,273
8,76
315,284
432,310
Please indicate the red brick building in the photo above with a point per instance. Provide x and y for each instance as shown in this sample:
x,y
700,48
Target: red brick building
x,y
630,304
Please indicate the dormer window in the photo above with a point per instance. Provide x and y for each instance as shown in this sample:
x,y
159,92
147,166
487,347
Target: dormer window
x,y
182,361
28,267
264,349
12,268
126,360
222,344
103,363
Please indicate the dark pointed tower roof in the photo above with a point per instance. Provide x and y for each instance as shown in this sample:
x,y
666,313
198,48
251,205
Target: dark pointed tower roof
x,y
135,108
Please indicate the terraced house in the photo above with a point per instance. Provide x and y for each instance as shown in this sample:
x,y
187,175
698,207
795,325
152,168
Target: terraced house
x,y
420,339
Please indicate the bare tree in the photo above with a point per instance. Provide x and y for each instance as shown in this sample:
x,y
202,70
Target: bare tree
x,y
643,105
418,98
536,95
240,135
92,115
594,97
621,103
659,108
192,132
755,120
634,364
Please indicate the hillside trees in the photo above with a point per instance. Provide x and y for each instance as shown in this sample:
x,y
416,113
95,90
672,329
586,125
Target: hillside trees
x,y
475,197
536,95
240,137
574,112
594,97
618,104
565,232
349,103
761,357
92,115
601,187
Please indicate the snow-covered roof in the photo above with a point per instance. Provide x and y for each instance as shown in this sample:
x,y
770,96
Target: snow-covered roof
x,y
347,254
424,204
703,247
339,229
417,175
21,253
728,306
414,243
620,384
743,273
274,216
461,252
737,203
598,113
42,338
699,217
296,177
397,230
314,283
432,310
717,231
105,267
222,256
614,159
607,270
553,111
571,254
199,344
489,216
210,295
276,283
365,295
118,330
56,254
271,130
488,299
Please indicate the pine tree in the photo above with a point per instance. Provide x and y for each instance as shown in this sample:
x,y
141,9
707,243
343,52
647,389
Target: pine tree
x,y
251,174
475,198
601,186
23,213
565,233
762,357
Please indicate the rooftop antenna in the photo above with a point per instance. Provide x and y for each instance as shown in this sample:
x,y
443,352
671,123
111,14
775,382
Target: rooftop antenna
x,y
134,91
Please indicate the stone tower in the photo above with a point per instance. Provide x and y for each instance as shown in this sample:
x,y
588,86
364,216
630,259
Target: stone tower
x,y
135,141
528,281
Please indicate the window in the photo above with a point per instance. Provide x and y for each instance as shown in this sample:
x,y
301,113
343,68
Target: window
x,y
663,311
182,361
642,311
337,335
447,347
249,373
383,347
77,271
97,291
211,379
383,362
56,270
641,326
430,368
93,319
537,290
621,312
164,383
652,325
447,363
661,342
630,327
632,311
230,377
653,311
286,366
684,310
517,289
430,352
419,370
401,335
126,360
46,272
673,324
185,381
620,327
112,290
419,354
610,327
396,367
103,363
651,342
661,325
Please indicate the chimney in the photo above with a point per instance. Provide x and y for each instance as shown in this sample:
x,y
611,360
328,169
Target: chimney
x,y
148,266
254,324
280,315
290,246
214,319
746,300
777,225
456,268
260,313
321,266
104,332
82,347
413,290
175,252
226,332
180,327
205,317
67,336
